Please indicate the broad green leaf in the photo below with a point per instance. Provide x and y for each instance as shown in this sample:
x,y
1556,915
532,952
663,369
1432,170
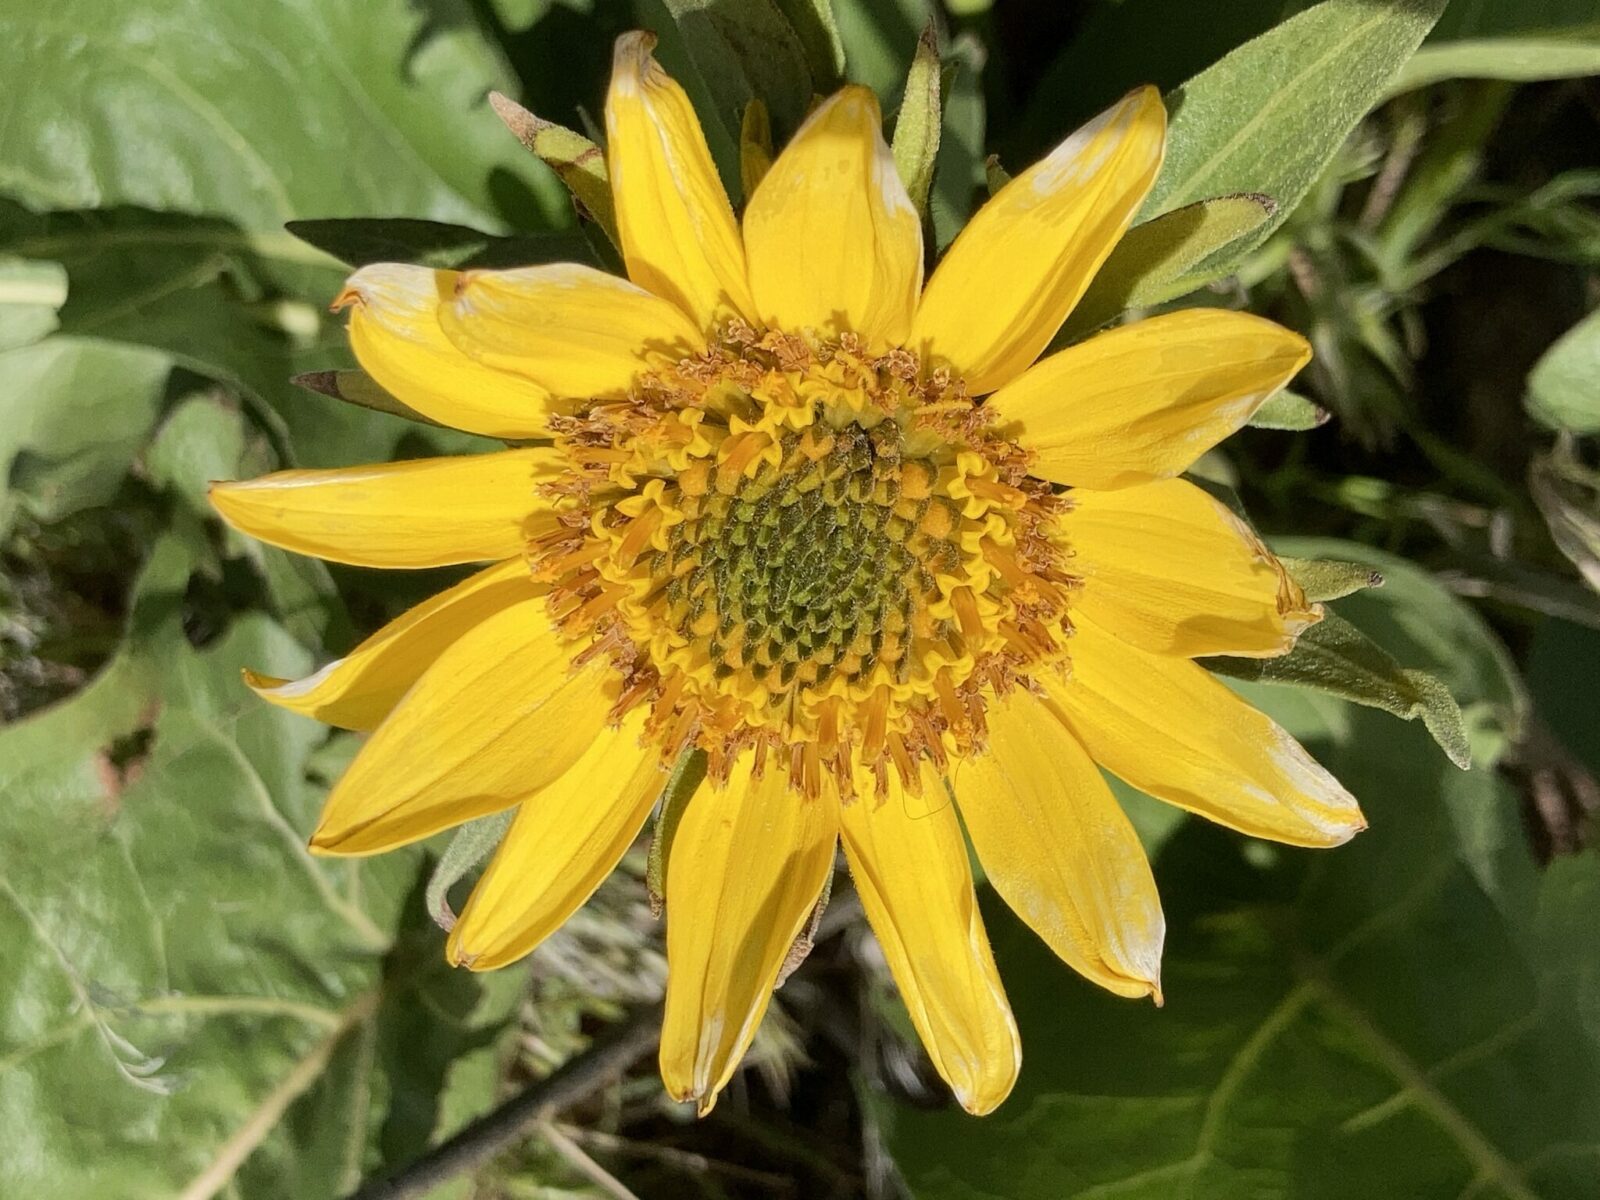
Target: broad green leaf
x,y
357,241
204,438
259,113
744,52
818,30
1334,656
1290,412
1272,114
76,413
161,148
196,1005
917,125
202,294
30,295
958,174
1371,1021
1487,18
1564,385
1513,59
1408,1015
879,38
1161,258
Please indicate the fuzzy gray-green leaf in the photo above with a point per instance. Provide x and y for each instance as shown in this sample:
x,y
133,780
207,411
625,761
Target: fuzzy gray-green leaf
x,y
1161,258
1329,579
1272,114
1290,412
469,845
916,128
1334,656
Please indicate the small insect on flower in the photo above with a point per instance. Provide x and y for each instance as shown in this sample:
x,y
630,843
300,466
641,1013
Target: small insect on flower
x,y
837,531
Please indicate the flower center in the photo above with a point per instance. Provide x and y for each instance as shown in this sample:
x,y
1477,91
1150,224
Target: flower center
x,y
819,568
798,546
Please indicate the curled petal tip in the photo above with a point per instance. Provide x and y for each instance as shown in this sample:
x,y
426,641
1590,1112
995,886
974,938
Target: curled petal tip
x,y
348,295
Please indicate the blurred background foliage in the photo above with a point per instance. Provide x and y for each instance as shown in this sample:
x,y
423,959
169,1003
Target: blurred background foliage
x,y
192,1006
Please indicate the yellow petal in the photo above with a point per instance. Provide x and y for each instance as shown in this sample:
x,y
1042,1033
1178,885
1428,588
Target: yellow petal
x,y
1170,570
395,333
1012,276
679,236
1059,850
1170,728
430,512
574,331
747,865
1144,401
833,239
498,716
564,842
909,863
359,690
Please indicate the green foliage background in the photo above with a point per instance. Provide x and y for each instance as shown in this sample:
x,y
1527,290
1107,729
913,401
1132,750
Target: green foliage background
x,y
192,1006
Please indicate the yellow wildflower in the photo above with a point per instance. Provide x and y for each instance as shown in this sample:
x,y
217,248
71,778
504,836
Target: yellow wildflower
x,y
841,533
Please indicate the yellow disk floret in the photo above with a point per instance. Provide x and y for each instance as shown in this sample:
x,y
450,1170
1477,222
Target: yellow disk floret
x,y
800,546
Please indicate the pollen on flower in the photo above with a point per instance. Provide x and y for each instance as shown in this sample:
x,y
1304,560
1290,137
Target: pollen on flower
x,y
795,545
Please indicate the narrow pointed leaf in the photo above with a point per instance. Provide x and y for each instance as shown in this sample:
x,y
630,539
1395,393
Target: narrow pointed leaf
x,y
916,128
1290,412
579,163
1326,579
1161,258
359,241
469,845
1334,656
681,786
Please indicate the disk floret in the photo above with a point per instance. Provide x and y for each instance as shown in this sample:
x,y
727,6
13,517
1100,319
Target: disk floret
x,y
800,546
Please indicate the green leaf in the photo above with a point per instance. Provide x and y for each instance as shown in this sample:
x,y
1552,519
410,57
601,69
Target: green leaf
x,y
1408,1015
1271,115
1334,656
469,845
147,162
1563,391
959,171
1423,624
372,109
357,241
30,295
880,38
916,127
577,162
1373,1021
1161,258
1290,412
744,52
818,30
1326,579
197,1005
359,388
1481,19
1513,59
1568,496
687,775
76,413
